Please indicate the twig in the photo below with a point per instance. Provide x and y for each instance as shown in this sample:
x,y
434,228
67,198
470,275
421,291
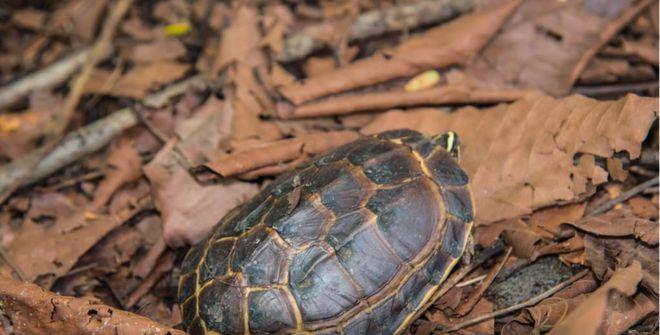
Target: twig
x,y
378,22
616,89
471,281
48,77
474,297
456,277
624,196
77,144
531,302
160,99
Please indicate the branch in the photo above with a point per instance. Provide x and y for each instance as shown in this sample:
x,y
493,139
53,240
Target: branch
x,y
379,22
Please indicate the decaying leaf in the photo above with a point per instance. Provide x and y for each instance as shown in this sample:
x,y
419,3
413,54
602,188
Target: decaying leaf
x,y
551,311
611,309
35,311
536,152
125,166
190,210
547,44
452,43
43,249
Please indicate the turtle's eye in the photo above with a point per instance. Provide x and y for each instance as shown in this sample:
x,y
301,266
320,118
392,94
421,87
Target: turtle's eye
x,y
450,142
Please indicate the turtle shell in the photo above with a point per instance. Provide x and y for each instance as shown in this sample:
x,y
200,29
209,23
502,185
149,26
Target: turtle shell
x,y
353,242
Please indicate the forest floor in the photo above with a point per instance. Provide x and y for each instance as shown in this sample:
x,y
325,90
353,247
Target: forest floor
x,y
129,128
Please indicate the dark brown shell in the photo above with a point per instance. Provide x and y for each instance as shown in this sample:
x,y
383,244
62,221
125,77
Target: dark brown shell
x,y
353,242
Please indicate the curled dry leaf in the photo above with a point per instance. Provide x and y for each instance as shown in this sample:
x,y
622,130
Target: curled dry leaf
x,y
443,95
280,152
520,157
547,44
452,43
35,311
551,311
611,309
483,306
618,238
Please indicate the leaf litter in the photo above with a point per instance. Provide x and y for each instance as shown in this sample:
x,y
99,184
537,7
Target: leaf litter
x,y
223,97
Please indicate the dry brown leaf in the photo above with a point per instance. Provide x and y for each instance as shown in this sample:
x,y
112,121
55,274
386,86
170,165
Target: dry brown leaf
x,y
616,239
647,52
35,311
551,311
520,157
644,208
159,50
546,222
455,42
125,166
190,210
206,132
138,81
443,95
78,18
483,306
29,18
620,223
611,309
43,248
547,44
19,132
280,152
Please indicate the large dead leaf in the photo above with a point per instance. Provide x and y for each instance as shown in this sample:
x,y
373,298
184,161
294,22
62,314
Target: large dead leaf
x,y
522,156
125,166
547,44
32,310
58,231
189,209
611,309
452,43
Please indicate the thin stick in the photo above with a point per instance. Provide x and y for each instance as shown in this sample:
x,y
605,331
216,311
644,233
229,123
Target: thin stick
x,y
48,77
624,196
471,281
474,297
531,302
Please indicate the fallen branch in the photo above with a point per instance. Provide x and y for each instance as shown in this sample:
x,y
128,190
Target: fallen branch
x,y
531,302
49,77
379,22
443,95
77,144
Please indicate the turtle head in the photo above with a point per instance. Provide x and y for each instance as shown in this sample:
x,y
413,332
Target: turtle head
x,y
449,141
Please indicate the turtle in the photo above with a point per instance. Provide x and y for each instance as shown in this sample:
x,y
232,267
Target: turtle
x,y
355,241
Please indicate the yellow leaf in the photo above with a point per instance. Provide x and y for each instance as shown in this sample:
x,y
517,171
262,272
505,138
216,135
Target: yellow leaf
x,y
178,29
9,124
423,81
